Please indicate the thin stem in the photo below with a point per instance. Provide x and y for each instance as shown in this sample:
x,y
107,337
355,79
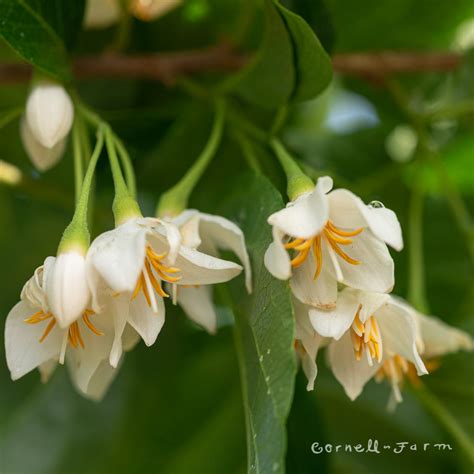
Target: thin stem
x,y
82,205
247,151
452,111
175,199
280,119
77,233
297,181
417,289
10,115
437,409
127,165
78,159
121,188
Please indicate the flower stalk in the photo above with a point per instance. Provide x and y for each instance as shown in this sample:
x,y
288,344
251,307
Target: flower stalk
x,y
175,200
77,233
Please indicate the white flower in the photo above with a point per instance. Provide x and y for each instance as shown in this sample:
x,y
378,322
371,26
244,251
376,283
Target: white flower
x,y
307,342
66,286
133,261
368,328
208,234
34,339
336,238
434,338
43,158
49,113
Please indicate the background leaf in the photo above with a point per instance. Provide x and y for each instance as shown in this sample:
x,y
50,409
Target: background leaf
x,y
312,64
33,37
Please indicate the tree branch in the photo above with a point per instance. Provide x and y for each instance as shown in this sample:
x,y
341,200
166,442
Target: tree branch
x,y
166,67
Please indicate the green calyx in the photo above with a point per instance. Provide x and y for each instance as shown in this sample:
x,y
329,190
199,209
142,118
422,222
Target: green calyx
x,y
297,182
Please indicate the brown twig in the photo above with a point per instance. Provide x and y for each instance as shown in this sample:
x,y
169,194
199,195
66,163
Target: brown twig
x,y
166,67
380,65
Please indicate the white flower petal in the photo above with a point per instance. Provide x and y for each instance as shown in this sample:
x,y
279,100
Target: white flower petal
x,y
349,211
49,112
310,340
188,224
351,373
43,158
198,305
118,256
146,322
23,350
83,362
167,232
398,330
200,269
336,322
66,288
225,235
440,338
369,302
306,216
320,293
32,291
375,272
276,257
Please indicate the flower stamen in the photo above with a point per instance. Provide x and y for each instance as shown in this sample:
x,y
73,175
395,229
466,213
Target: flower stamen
x,y
147,279
74,334
333,235
366,338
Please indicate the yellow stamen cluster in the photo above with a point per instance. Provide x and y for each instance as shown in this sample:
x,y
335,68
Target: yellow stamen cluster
x,y
366,338
74,333
333,235
397,368
153,263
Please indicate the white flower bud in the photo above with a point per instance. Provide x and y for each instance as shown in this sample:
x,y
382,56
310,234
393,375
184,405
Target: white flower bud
x,y
101,13
66,287
49,113
42,158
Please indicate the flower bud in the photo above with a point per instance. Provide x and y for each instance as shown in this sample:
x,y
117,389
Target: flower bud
x,y
66,287
49,113
42,158
101,13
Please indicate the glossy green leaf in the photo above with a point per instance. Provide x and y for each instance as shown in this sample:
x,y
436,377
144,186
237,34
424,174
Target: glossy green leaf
x,y
312,63
269,79
264,333
33,38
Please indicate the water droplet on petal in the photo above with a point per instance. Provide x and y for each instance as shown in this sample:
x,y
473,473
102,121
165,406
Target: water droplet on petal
x,y
376,204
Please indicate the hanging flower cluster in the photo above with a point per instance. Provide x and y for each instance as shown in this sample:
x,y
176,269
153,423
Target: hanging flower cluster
x,y
333,250
92,302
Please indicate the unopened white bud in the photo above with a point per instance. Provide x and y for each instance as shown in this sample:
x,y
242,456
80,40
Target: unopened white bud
x,y
66,287
101,13
42,157
49,113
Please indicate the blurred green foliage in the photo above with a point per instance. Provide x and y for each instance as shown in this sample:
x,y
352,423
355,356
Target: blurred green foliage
x,y
181,406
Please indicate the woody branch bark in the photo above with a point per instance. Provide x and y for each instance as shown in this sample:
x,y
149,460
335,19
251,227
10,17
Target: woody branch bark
x,y
166,67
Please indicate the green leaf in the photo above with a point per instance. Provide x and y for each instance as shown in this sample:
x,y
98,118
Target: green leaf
x,y
33,38
264,333
312,63
269,79
64,17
